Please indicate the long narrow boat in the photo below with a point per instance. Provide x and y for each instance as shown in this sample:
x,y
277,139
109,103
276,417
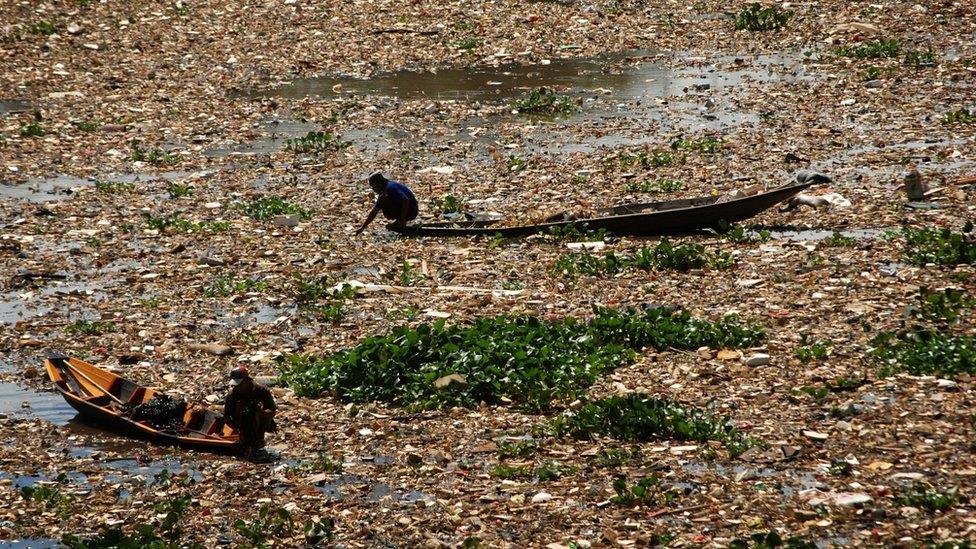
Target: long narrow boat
x,y
107,398
646,219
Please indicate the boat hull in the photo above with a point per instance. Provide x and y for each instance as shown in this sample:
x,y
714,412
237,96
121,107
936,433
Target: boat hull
x,y
705,213
96,393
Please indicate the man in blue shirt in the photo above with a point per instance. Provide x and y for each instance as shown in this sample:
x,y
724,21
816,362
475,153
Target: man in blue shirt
x,y
396,201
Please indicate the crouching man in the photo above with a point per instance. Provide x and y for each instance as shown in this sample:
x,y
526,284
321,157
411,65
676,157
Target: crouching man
x,y
250,408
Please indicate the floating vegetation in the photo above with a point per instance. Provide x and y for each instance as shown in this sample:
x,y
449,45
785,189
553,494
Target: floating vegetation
x,y
772,540
640,418
90,327
657,186
33,129
264,208
945,306
924,351
652,158
739,235
448,204
756,18
812,350
176,224
663,256
930,499
959,117
921,59
277,523
879,49
316,142
578,232
646,491
706,145
544,101
467,44
114,187
838,240
177,190
521,449
50,498
522,360
227,285
940,246
155,156
42,28
316,295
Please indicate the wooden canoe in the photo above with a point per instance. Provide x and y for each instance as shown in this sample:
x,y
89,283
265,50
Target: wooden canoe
x,y
646,219
98,394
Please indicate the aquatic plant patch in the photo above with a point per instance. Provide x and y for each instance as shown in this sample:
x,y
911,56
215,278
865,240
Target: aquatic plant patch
x,y
176,190
940,246
155,156
838,240
264,208
578,232
316,142
522,360
656,186
114,187
177,224
705,145
756,18
945,306
544,101
930,499
448,204
32,129
952,117
227,285
640,418
646,491
90,327
652,158
921,59
923,351
663,256
879,49
812,350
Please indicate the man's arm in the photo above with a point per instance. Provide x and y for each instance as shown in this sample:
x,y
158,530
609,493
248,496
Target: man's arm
x,y
229,418
369,219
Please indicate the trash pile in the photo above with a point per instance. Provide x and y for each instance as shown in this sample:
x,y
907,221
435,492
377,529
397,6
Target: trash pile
x,y
163,412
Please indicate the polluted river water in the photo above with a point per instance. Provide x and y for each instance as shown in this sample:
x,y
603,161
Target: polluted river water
x,y
621,88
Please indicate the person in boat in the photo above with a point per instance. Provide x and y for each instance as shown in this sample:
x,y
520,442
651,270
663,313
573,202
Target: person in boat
x,y
250,408
395,200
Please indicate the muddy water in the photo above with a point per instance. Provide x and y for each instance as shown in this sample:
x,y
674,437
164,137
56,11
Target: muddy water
x,y
31,543
641,94
14,105
278,133
19,403
627,76
64,187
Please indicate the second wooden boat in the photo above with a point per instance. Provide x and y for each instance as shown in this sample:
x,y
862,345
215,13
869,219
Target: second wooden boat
x,y
647,219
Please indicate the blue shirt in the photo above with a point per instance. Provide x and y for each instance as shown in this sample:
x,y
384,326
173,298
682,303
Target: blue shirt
x,y
392,202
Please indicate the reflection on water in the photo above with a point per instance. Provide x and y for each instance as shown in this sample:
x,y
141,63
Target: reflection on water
x,y
622,76
18,402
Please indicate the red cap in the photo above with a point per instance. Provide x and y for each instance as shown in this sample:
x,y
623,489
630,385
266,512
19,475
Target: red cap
x,y
238,374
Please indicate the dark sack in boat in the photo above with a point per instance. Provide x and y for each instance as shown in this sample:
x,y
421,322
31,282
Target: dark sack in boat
x,y
162,412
